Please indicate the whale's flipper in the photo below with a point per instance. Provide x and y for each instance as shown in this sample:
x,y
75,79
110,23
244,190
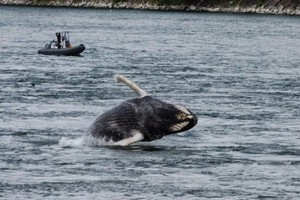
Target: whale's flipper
x,y
136,137
132,85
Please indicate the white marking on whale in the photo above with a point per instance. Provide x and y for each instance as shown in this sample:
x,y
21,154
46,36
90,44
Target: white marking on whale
x,y
137,136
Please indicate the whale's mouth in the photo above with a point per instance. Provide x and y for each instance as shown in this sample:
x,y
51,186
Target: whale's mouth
x,y
183,109
185,120
179,126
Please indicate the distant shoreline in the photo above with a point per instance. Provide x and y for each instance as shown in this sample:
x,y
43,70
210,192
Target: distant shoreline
x,y
279,8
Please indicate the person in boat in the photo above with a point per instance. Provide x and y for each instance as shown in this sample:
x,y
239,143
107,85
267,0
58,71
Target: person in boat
x,y
58,36
63,40
66,39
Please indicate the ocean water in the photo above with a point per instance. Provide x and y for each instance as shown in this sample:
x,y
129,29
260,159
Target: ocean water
x,y
240,74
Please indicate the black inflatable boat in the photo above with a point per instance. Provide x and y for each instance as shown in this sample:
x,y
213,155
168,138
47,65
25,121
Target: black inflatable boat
x,y
71,51
62,46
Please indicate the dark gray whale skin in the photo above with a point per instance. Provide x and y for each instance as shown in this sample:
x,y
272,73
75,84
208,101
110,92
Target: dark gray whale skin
x,y
152,117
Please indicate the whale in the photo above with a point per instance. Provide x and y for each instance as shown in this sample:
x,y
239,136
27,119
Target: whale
x,y
141,119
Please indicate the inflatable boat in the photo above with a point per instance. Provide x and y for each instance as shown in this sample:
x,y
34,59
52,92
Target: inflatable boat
x,y
71,51
62,46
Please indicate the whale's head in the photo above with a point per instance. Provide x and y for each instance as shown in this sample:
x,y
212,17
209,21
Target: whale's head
x,y
179,119
158,118
161,118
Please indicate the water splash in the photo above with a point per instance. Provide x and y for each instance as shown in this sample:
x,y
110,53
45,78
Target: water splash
x,y
85,140
68,142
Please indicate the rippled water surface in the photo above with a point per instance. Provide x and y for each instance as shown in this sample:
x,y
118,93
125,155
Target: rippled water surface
x,y
239,73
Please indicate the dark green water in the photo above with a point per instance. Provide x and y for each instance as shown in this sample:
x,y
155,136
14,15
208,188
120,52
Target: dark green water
x,y
239,73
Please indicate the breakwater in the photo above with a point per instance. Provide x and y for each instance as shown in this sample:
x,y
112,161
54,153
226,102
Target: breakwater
x,y
288,7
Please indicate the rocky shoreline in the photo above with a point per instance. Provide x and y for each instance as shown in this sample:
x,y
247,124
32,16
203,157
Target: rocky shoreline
x,y
146,5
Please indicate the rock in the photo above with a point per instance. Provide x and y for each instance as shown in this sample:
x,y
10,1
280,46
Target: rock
x,y
269,6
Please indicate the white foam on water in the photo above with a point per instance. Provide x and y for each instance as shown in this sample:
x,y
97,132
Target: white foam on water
x,y
92,141
82,141
68,142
